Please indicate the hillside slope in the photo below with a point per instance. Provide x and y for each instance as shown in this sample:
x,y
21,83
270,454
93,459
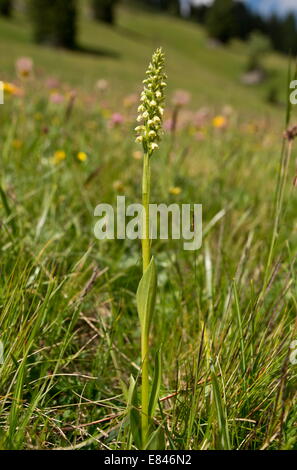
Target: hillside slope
x,y
120,55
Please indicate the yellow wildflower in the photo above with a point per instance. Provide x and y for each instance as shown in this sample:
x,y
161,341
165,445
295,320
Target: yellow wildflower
x,y
59,156
176,191
82,156
118,186
219,122
11,89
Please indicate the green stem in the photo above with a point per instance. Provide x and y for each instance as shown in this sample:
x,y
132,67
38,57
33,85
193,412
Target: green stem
x,y
146,249
144,388
146,257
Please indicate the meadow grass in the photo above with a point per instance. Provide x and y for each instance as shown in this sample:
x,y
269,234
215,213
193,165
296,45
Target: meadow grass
x,y
225,315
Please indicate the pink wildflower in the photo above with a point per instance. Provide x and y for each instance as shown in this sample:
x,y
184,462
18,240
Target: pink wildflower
x,y
116,119
56,98
181,98
52,83
24,67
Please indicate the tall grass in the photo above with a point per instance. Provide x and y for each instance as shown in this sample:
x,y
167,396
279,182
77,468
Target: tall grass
x,y
226,315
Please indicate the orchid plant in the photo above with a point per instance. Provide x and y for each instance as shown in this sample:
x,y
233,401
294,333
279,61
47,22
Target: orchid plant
x,y
148,134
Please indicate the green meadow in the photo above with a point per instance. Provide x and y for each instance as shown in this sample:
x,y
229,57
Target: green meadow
x,y
225,316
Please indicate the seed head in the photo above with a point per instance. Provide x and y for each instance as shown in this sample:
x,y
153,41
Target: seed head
x,y
291,134
151,108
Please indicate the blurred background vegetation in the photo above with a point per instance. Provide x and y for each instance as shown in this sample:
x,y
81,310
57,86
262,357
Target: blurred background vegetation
x,y
54,21
229,49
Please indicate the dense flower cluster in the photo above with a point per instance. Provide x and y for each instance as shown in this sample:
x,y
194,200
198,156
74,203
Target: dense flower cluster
x,y
151,108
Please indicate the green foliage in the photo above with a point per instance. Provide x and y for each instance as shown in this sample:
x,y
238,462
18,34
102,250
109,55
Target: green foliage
x,y
227,19
5,7
258,46
283,33
54,22
221,22
104,10
198,13
272,95
289,34
171,6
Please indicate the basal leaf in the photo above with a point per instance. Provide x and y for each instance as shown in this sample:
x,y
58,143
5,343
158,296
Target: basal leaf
x,y
155,392
146,296
156,440
134,413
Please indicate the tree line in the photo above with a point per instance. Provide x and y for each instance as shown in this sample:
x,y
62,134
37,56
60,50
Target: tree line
x,y
54,21
225,20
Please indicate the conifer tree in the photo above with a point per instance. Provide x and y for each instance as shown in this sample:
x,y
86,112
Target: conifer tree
x,y
104,10
54,22
220,20
289,34
5,7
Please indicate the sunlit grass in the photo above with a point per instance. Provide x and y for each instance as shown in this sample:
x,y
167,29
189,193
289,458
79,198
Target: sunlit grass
x,y
68,314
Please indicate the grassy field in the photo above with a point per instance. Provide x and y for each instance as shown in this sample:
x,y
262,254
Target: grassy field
x,y
226,314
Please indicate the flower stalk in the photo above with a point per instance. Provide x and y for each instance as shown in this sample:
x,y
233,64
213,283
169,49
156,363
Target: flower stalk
x,y
148,134
146,249
146,257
